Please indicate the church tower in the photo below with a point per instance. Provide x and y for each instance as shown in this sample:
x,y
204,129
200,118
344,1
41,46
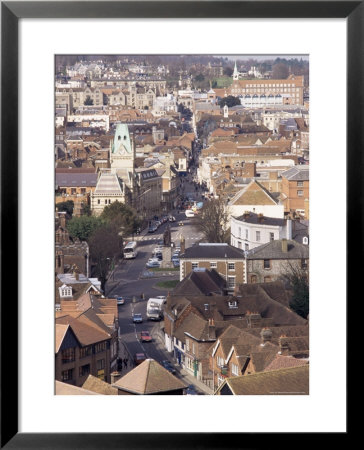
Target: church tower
x,y
235,73
123,155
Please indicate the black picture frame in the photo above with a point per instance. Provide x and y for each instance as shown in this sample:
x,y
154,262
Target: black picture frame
x,y
11,12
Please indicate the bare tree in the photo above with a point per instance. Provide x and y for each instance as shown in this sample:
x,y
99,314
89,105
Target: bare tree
x,y
297,278
105,246
213,221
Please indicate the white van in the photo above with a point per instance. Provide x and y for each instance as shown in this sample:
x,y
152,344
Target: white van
x,y
189,213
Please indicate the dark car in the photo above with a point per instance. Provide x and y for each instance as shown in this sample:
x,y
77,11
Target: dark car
x,y
137,318
175,262
139,358
159,256
167,365
152,229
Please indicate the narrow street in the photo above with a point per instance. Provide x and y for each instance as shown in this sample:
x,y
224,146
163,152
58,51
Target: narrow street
x,y
129,280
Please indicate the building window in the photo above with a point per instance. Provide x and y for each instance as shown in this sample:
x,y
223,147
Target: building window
x,y
253,279
239,244
266,264
231,282
257,236
67,375
213,265
234,369
100,364
233,304
219,361
100,347
303,263
239,231
188,345
98,201
271,236
84,370
193,347
299,193
231,266
194,265
299,183
246,234
85,351
68,355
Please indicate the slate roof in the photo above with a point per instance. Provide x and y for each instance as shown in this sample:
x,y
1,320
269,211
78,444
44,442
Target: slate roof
x,y
299,173
254,218
291,381
213,250
273,250
149,378
76,179
200,283
108,184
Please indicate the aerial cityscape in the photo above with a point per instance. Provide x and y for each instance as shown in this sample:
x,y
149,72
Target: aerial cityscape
x,y
181,225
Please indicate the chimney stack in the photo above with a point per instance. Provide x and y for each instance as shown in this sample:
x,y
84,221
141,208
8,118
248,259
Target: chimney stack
x,y
115,376
266,335
212,332
284,246
283,345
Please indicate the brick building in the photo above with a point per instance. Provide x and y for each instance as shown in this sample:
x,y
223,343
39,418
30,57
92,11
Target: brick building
x,y
228,261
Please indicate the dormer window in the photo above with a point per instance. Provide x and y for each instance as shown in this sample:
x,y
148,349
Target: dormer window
x,y
65,291
233,304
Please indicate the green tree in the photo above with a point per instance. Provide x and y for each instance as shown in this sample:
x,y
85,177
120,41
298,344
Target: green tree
x,y
105,247
213,221
122,216
82,227
66,206
298,281
88,101
230,101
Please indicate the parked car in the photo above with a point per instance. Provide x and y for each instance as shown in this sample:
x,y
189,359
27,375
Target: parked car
x,y
176,262
152,229
120,300
171,218
145,336
137,318
180,222
139,358
158,249
159,256
167,365
163,297
152,262
160,242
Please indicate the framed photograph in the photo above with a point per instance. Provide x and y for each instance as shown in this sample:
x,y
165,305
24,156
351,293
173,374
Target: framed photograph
x,y
38,40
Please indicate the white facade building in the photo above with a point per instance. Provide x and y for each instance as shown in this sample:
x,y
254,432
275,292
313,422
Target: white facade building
x,y
252,230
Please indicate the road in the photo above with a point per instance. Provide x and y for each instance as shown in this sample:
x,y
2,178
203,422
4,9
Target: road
x,y
128,281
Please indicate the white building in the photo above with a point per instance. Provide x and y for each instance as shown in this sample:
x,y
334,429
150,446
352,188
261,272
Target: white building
x,y
252,230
